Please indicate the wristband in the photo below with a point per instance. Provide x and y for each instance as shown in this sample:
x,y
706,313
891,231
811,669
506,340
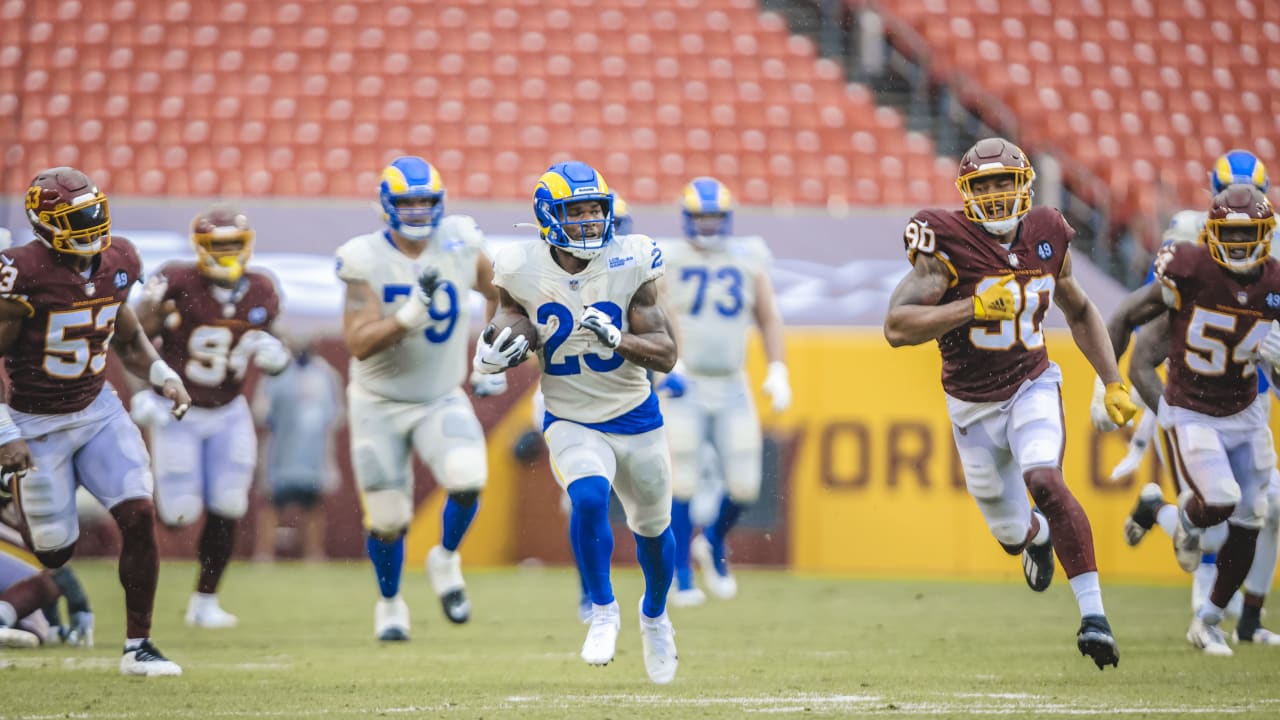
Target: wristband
x,y
162,373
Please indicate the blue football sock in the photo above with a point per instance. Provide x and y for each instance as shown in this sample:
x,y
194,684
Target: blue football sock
x,y
574,521
456,519
593,537
657,560
730,511
388,562
682,529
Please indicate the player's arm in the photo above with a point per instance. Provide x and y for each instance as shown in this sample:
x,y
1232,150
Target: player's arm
x,y
152,308
1138,308
769,319
364,328
15,456
139,357
1150,349
651,342
1086,324
484,283
914,315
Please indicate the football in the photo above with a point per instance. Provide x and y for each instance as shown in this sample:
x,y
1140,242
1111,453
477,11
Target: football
x,y
519,324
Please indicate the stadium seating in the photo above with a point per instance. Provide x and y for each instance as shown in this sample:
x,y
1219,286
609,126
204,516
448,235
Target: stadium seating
x,y
165,97
1145,94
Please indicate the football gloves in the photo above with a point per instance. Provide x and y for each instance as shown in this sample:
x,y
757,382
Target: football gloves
x,y
598,322
415,313
149,409
1112,406
778,386
485,385
996,302
496,355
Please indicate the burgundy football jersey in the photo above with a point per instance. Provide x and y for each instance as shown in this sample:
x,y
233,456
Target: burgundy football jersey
x,y
203,346
1215,329
56,366
988,361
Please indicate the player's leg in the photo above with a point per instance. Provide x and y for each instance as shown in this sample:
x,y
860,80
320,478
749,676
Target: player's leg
x,y
735,432
451,441
584,464
1038,442
687,429
113,466
643,484
1262,572
228,457
380,461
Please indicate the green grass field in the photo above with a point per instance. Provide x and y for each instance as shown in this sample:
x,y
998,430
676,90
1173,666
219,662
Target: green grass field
x,y
789,646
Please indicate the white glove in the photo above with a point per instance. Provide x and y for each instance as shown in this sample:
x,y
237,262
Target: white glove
x,y
1269,348
270,355
149,409
1137,448
778,386
598,322
491,358
485,385
80,633
1098,408
415,313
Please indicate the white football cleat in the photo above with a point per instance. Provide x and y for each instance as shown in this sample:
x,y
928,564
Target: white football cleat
x,y
444,569
391,619
1208,638
1186,542
11,637
659,640
204,611
147,660
1261,636
602,636
724,586
687,598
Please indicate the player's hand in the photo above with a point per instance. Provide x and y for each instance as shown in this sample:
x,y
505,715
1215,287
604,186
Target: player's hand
x,y
492,357
598,322
148,410
483,385
1119,404
269,354
778,385
415,313
1098,408
174,390
673,384
994,303
15,460
80,632
1269,348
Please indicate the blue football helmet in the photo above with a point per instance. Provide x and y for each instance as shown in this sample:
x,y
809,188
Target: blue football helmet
x,y
622,222
1238,166
707,206
406,181
565,184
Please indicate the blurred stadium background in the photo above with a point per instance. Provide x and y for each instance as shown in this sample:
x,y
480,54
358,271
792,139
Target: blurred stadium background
x,y
832,120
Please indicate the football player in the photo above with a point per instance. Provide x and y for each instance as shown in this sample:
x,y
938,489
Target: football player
x,y
980,284
1220,299
1150,351
213,317
594,300
405,323
62,307
717,287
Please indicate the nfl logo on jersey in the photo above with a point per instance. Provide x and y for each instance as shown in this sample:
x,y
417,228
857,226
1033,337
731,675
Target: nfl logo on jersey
x,y
1013,260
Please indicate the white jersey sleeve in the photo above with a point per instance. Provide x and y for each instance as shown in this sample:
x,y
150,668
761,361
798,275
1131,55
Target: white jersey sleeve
x,y
713,295
581,380
428,364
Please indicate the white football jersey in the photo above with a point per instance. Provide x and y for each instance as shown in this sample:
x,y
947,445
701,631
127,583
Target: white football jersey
x,y
425,365
581,380
712,293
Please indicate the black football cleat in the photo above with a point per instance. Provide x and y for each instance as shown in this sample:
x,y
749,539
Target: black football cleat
x,y
1095,640
456,606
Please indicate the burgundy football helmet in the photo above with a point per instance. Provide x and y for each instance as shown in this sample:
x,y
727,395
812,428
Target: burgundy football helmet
x,y
997,211
223,241
68,212
1239,228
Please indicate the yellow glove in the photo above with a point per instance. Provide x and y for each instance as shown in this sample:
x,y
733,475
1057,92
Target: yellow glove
x,y
1120,407
994,303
